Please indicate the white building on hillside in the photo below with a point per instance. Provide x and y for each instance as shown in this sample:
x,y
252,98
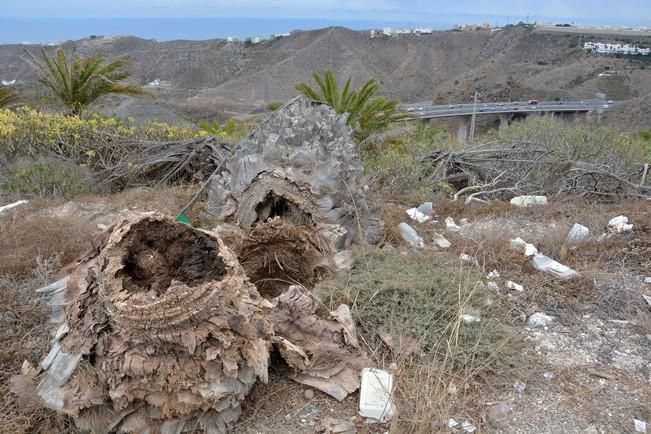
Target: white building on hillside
x,y
606,48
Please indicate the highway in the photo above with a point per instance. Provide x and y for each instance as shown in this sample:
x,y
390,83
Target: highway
x,y
424,111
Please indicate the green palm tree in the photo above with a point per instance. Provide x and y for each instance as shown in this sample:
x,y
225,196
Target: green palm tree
x,y
366,114
79,81
7,97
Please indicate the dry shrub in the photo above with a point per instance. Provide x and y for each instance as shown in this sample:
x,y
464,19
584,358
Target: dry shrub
x,y
24,237
24,335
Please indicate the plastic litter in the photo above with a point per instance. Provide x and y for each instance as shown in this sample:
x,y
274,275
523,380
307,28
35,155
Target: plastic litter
x,y
548,265
493,275
468,426
528,248
12,205
439,241
539,320
524,201
451,225
577,233
375,395
418,215
514,286
640,425
425,207
619,224
469,259
410,235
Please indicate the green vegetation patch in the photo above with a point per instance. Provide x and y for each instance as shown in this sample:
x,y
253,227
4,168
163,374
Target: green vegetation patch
x,y
421,297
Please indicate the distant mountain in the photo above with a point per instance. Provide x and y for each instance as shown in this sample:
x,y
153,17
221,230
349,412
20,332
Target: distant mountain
x,y
216,78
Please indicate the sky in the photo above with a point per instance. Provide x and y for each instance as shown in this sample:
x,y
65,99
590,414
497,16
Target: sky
x,y
620,11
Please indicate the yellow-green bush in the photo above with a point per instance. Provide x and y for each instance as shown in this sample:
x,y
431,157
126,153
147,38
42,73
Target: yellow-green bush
x,y
95,142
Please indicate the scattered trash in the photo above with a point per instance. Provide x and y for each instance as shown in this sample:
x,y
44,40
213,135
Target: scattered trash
x,y
375,400
648,299
548,375
469,259
493,275
647,280
497,414
439,241
463,221
451,225
548,265
452,423
528,248
524,201
418,216
640,425
577,233
539,320
102,226
619,224
470,316
12,205
519,387
514,286
410,235
468,426
425,208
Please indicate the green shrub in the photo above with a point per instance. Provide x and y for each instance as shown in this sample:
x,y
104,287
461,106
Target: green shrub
x,y
43,178
273,106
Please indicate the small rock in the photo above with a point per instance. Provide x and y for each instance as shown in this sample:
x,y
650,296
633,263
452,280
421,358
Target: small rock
x,y
102,226
451,225
539,320
619,224
497,415
308,394
425,207
410,235
524,201
514,286
439,241
548,375
343,260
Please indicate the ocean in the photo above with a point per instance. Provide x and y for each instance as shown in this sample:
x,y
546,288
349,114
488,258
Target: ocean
x,y
55,30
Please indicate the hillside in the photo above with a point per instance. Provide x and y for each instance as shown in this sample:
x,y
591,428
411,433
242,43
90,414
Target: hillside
x,y
205,79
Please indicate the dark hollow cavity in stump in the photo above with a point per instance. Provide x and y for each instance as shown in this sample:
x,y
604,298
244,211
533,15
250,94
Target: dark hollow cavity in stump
x,y
158,252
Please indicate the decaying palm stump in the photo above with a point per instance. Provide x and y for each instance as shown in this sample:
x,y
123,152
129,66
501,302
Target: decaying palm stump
x,y
158,329
301,167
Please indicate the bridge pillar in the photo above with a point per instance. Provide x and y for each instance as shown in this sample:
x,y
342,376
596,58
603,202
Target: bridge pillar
x,y
462,131
505,118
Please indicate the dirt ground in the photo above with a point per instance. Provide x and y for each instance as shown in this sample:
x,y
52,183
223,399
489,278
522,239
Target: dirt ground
x,y
593,369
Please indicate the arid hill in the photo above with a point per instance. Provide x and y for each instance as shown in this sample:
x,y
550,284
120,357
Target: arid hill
x,y
205,79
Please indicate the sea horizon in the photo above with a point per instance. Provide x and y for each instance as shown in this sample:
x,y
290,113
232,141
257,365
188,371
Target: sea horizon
x,y
55,30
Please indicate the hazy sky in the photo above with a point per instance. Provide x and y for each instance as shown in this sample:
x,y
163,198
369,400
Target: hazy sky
x,y
417,10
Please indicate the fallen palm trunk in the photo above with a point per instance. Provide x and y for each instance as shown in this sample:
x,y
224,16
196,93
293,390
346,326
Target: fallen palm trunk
x,y
158,329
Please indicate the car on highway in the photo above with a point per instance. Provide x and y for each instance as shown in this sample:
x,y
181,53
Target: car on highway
x,y
500,104
610,101
451,106
581,102
533,101
410,109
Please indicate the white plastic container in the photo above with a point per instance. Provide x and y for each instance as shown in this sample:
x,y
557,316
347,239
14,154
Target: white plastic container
x,y
375,395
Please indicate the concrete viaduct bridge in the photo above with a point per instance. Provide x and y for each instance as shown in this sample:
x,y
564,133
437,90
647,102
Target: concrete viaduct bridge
x,y
505,110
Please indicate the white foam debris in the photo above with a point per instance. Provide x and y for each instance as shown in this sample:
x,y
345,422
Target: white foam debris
x,y
417,215
619,224
528,248
514,286
493,275
548,265
375,401
539,320
440,241
524,201
410,235
12,205
451,225
577,233
469,259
